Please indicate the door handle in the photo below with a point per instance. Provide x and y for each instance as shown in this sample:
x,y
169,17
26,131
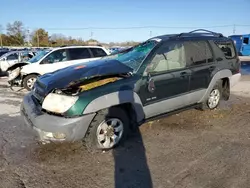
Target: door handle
x,y
184,74
211,68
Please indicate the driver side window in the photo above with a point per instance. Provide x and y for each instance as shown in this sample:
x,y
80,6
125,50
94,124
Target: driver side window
x,y
56,56
170,56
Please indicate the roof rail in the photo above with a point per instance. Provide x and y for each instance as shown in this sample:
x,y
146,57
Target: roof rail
x,y
205,32
68,45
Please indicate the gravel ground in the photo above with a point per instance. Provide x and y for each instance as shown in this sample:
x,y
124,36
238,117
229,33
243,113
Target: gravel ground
x,y
192,149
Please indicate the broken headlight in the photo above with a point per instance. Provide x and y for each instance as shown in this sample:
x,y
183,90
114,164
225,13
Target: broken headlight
x,y
58,103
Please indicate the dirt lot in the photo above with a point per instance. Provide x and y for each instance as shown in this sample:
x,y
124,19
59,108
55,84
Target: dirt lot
x,y
193,149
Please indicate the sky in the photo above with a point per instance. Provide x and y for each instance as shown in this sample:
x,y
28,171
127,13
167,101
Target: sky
x,y
114,20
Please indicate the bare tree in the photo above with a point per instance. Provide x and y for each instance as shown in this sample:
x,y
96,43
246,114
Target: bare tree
x,y
16,32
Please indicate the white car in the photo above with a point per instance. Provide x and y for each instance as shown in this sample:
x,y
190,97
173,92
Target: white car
x,y
55,59
13,57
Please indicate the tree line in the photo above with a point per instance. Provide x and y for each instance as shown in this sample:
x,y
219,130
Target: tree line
x,y
17,35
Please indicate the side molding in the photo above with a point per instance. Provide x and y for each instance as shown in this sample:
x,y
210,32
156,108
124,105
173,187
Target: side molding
x,y
219,75
116,98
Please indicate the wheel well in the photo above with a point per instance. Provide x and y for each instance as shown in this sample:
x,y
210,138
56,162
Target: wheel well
x,y
129,109
28,75
225,88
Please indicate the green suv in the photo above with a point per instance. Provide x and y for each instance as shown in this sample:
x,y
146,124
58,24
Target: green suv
x,y
101,101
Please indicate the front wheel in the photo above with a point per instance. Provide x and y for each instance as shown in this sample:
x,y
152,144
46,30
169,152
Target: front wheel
x,y
108,129
28,81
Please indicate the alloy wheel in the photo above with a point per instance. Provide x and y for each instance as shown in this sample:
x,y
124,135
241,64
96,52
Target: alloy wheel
x,y
109,133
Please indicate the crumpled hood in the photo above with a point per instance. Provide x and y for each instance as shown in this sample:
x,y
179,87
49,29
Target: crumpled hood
x,y
64,77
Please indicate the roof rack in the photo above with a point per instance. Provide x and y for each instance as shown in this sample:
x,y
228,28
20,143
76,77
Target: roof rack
x,y
198,33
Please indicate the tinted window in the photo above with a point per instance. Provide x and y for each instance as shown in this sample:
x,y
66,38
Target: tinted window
x,y
3,52
98,52
198,53
227,47
246,41
79,53
168,57
56,56
12,57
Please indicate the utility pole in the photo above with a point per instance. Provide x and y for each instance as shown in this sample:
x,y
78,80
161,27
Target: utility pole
x,y
150,34
1,41
234,29
28,32
37,38
91,34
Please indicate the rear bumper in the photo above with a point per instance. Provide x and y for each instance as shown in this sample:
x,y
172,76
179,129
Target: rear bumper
x,y
234,79
44,125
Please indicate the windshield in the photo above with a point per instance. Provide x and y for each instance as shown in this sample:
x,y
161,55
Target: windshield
x,y
39,56
133,57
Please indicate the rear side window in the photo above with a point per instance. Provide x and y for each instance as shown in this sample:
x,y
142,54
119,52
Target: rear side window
x,y
246,40
12,57
198,53
79,53
227,47
98,52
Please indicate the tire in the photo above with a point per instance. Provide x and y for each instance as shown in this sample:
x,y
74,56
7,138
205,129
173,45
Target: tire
x,y
215,94
28,83
99,136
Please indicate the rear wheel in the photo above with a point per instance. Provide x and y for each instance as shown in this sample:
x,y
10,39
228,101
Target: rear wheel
x,y
108,129
28,81
214,97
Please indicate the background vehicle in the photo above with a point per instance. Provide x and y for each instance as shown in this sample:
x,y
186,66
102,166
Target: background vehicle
x,y
13,57
50,61
2,52
242,43
100,101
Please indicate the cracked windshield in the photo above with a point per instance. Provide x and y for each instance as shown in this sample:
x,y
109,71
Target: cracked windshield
x,y
124,94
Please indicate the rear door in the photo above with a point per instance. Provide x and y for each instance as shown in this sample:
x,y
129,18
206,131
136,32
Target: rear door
x,y
79,55
201,63
98,52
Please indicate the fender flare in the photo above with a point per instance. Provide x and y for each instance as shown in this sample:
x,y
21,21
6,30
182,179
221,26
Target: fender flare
x,y
217,76
117,98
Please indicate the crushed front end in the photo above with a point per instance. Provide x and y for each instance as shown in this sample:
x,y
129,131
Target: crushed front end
x,y
45,109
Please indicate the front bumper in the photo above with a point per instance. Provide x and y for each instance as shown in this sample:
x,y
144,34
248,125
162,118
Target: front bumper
x,y
42,123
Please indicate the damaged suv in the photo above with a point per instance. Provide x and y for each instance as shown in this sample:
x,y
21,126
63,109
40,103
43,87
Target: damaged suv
x,y
101,101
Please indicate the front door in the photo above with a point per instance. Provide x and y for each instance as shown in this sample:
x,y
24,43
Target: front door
x,y
54,61
166,80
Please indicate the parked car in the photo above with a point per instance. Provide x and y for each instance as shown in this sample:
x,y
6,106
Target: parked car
x,y
101,101
25,74
242,43
3,51
13,57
